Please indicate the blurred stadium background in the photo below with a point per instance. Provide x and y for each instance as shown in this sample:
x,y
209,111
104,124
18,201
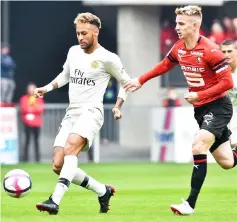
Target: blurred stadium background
x,y
39,35
152,129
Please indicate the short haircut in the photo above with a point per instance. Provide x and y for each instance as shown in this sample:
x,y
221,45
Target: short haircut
x,y
190,10
229,42
89,18
31,84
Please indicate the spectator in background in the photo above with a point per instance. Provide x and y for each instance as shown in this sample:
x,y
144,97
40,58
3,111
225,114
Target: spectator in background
x,y
228,27
168,37
8,67
32,117
217,33
235,28
172,100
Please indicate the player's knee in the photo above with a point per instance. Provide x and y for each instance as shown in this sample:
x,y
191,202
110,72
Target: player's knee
x,y
203,142
74,144
71,145
199,147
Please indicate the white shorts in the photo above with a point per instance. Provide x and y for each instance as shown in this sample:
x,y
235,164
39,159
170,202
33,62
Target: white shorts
x,y
85,122
233,127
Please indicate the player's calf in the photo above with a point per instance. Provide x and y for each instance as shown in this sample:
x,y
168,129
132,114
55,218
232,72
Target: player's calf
x,y
200,147
225,156
73,147
58,159
226,165
104,192
81,178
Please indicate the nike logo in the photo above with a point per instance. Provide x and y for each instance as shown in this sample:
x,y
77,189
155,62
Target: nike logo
x,y
196,166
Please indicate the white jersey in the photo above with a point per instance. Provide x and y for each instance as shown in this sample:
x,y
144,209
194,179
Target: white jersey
x,y
233,92
88,75
233,96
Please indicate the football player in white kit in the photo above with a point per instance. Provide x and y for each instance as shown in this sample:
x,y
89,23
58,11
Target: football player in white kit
x,y
229,49
87,69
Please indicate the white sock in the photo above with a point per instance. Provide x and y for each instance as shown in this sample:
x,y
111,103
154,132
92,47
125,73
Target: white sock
x,y
67,173
82,179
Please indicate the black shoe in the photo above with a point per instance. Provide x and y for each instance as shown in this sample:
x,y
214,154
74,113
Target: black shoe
x,y
104,200
49,206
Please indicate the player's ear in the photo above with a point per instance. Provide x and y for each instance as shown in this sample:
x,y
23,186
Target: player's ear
x,y
97,32
195,25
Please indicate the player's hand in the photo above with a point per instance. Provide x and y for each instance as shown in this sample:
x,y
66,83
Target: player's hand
x,y
191,97
39,92
117,113
132,85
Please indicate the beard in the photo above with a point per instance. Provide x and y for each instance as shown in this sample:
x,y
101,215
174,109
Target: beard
x,y
86,46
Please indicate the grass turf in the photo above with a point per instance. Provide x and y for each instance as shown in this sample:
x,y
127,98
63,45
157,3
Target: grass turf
x,y
144,193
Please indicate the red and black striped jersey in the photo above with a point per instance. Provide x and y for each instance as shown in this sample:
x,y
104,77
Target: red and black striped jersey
x,y
204,67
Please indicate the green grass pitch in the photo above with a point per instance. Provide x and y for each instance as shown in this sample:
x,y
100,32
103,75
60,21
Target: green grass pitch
x,y
144,193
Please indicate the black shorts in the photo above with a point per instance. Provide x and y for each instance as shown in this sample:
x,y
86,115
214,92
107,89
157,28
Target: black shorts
x,y
214,117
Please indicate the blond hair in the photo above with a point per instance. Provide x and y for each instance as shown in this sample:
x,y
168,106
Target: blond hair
x,y
190,10
89,18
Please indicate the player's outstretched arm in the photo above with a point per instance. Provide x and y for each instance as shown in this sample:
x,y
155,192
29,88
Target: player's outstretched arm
x,y
61,80
164,66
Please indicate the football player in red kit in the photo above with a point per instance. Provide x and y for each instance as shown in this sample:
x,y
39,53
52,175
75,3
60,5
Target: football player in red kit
x,y
209,77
